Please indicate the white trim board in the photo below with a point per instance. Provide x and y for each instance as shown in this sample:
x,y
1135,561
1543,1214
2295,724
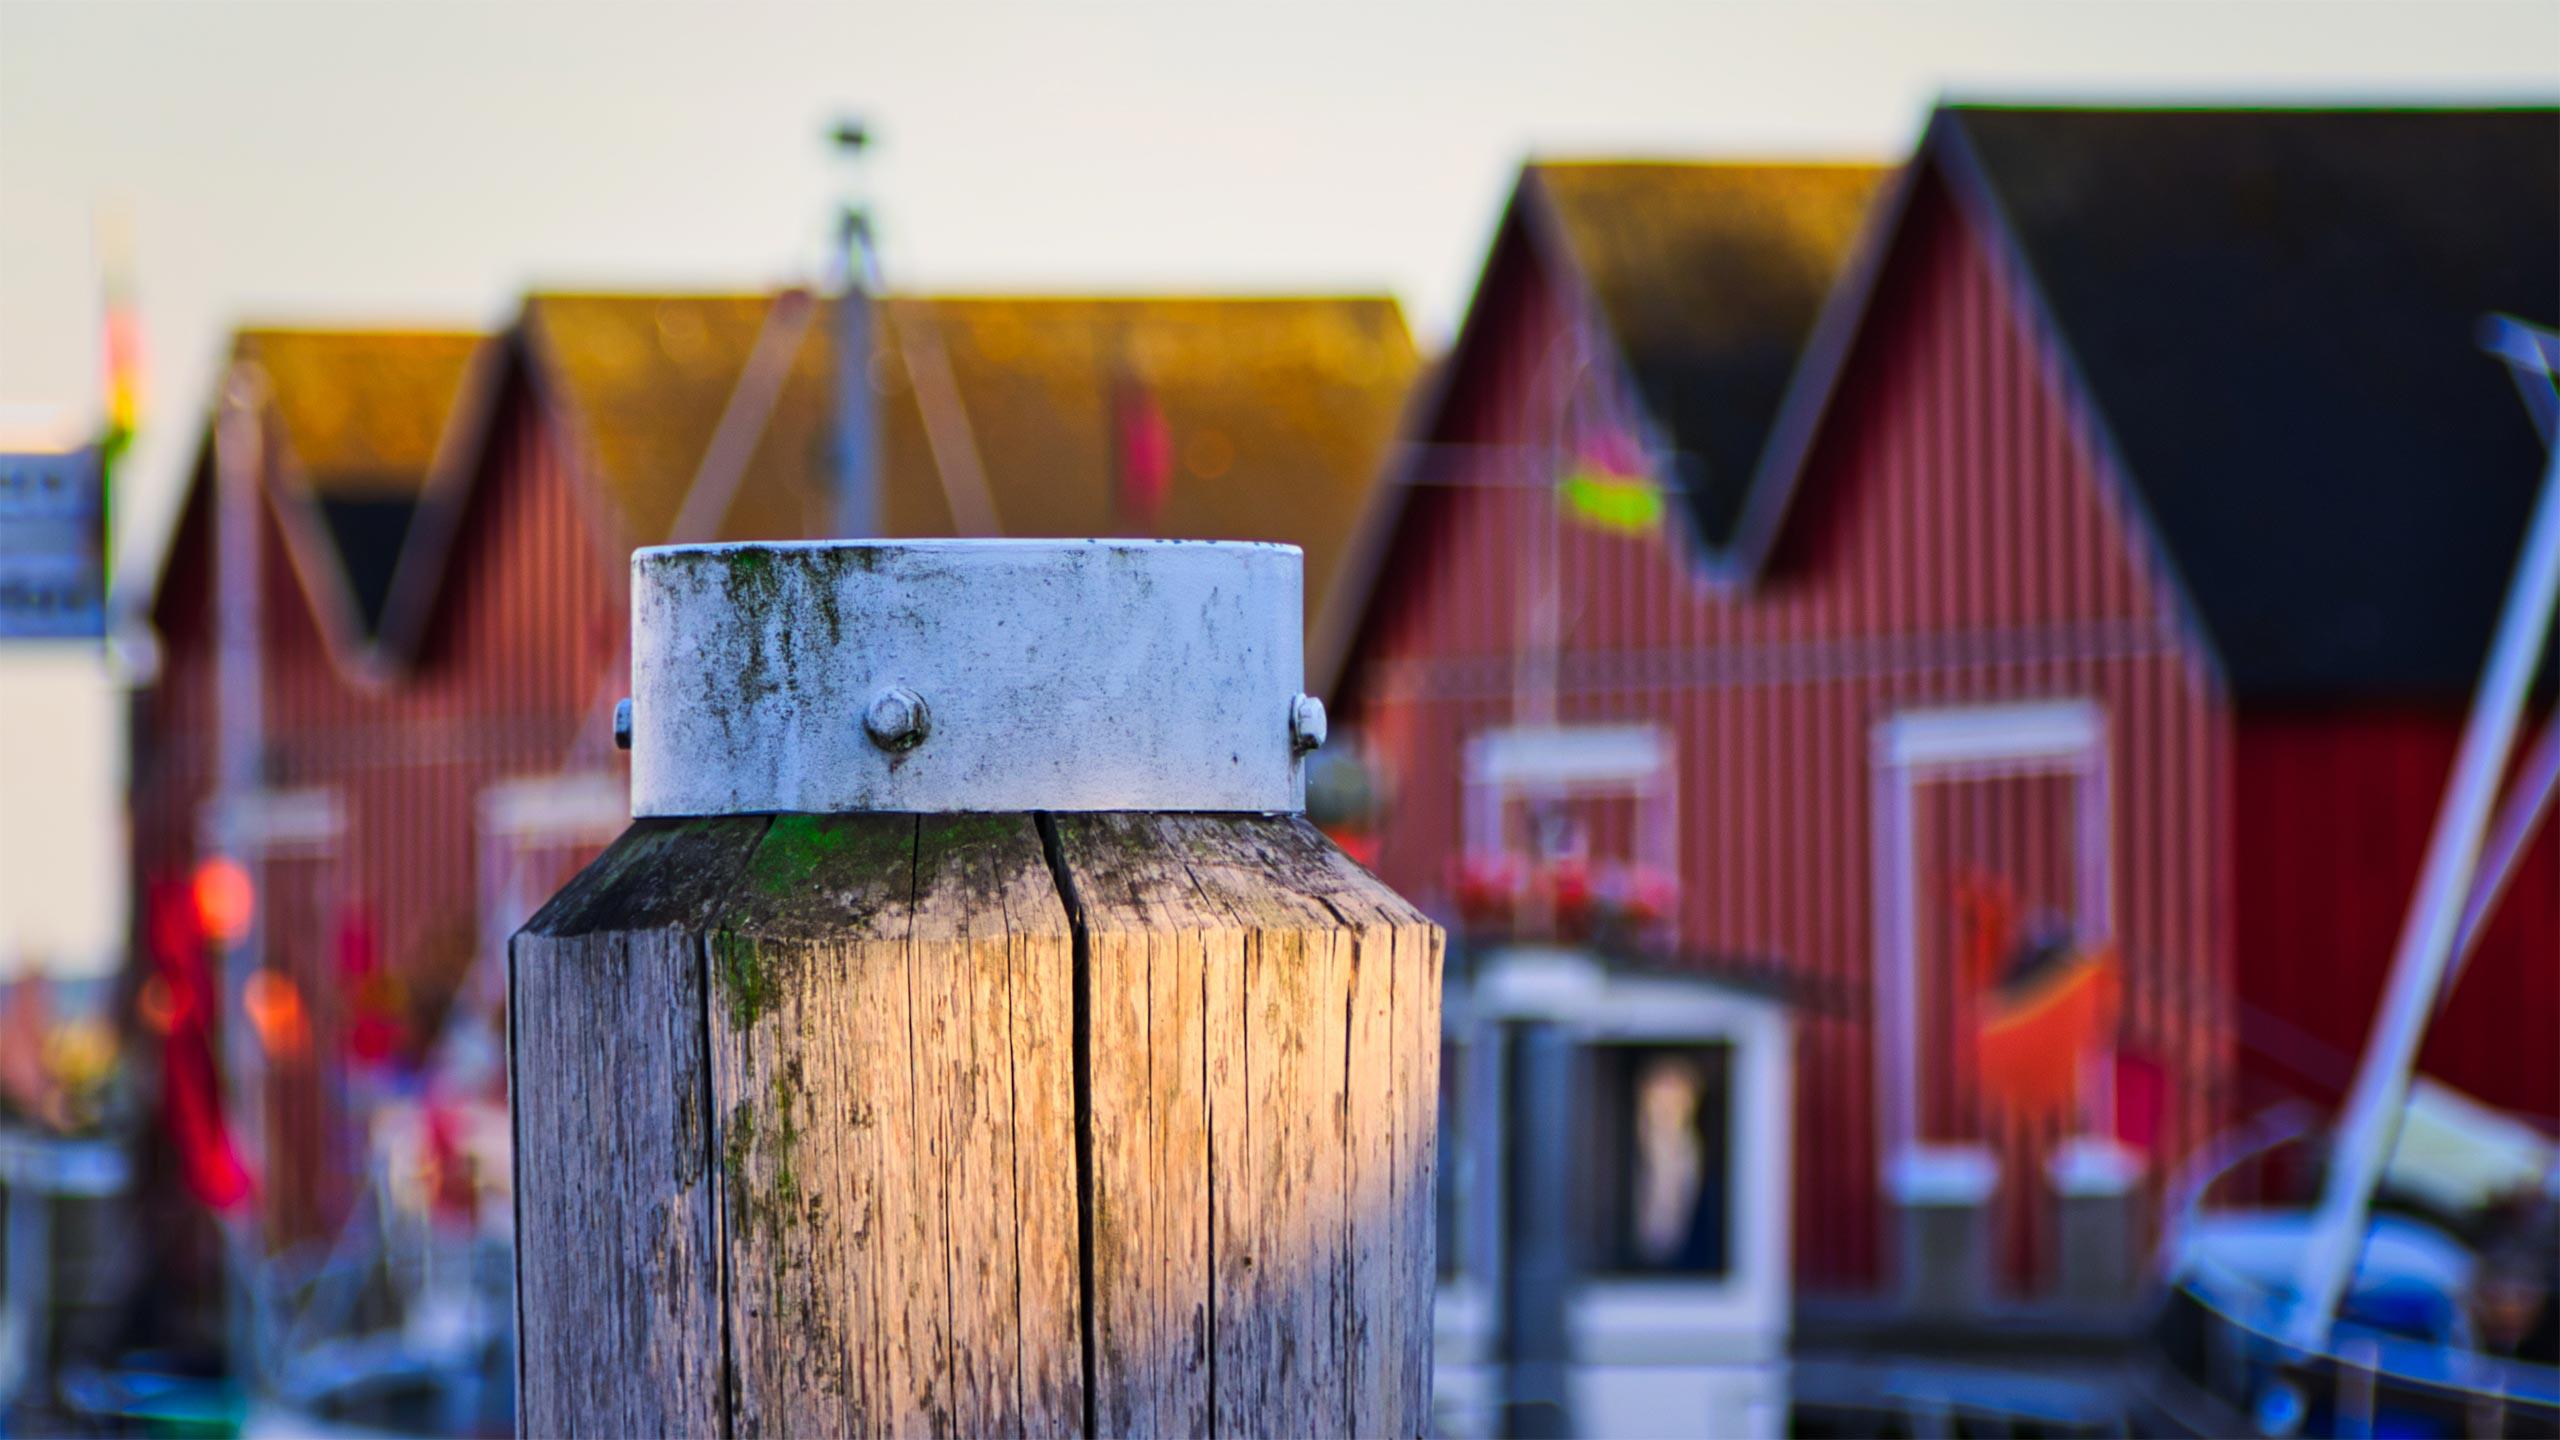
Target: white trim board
x,y
589,805
1568,755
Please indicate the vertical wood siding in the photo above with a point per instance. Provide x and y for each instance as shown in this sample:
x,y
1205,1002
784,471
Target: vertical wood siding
x,y
1958,542
2333,820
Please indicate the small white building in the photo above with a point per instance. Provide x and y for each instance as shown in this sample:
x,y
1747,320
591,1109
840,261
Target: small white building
x,y
1615,1198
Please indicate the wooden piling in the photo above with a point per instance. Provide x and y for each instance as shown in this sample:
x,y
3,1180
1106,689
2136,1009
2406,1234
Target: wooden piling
x,y
1030,1123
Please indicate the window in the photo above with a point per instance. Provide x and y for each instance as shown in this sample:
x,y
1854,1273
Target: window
x,y
1658,1150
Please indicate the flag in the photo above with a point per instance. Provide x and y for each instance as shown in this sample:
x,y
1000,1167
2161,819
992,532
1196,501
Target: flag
x,y
2043,1028
1609,487
1145,453
178,1001
2045,1006
121,347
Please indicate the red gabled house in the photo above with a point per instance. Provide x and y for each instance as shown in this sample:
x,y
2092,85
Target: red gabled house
x,y
2086,548
419,545
322,500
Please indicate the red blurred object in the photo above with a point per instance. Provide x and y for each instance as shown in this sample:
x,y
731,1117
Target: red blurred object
x,y
274,1006
358,954
375,1029
2041,1026
1569,885
225,899
1146,455
2037,1039
1360,845
452,1188
2142,1100
190,1090
1570,899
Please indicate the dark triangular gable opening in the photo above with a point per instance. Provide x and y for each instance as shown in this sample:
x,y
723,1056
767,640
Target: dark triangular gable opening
x,y
367,527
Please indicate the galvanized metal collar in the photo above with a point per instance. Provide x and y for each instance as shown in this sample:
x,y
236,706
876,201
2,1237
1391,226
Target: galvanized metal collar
x,y
943,675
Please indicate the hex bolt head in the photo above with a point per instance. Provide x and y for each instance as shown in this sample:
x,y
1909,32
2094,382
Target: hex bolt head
x,y
1306,724
622,724
897,719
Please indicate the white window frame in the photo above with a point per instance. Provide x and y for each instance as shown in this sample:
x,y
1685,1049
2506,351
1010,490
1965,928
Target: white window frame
x,y
1982,742
304,823
1559,761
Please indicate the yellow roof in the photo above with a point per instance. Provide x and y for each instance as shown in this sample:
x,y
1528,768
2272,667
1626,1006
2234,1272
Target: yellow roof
x,y
364,412
642,381
1279,412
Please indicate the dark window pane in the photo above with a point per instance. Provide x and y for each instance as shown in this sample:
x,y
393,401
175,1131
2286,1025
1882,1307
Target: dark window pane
x,y
1660,1139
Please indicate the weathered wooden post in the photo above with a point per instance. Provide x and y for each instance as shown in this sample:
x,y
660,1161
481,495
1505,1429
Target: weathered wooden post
x,y
968,1036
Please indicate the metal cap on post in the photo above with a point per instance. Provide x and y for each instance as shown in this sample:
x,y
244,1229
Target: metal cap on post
x,y
956,675
969,1036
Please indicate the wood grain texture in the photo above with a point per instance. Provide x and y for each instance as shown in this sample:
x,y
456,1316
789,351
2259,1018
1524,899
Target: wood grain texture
x,y
1145,932
892,1052
991,941
1263,1123
1392,1063
878,1197
618,1266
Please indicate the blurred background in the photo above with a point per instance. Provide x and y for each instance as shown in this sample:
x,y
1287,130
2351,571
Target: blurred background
x,y
1941,596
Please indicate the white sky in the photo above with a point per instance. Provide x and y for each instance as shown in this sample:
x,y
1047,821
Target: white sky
x,y
348,163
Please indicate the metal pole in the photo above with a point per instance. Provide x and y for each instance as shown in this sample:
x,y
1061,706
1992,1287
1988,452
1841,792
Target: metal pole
x,y
239,765
1538,1268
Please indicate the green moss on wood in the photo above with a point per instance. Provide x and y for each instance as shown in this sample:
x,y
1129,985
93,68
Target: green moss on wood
x,y
793,851
736,1146
760,1160
784,1204
747,979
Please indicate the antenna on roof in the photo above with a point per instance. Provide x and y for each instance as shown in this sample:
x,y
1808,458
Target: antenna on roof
x,y
858,260
861,301
852,286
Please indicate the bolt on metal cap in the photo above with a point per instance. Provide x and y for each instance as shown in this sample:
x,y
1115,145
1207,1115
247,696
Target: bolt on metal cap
x,y
1306,724
897,719
953,675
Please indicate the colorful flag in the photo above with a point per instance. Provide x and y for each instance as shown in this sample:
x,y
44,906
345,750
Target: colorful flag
x,y
1609,487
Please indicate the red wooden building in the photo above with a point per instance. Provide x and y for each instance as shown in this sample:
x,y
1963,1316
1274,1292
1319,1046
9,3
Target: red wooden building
x,y
2112,515
391,621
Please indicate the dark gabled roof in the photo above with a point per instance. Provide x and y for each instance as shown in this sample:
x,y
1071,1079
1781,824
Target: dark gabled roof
x,y
1710,277
2277,315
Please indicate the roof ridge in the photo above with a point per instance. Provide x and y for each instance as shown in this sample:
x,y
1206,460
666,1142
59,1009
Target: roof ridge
x,y
2164,106
248,330
1719,161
